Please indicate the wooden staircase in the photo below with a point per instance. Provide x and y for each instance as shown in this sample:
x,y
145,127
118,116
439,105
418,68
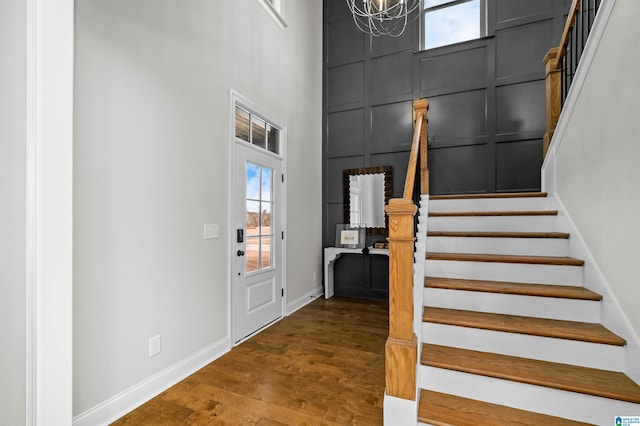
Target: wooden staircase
x,y
509,333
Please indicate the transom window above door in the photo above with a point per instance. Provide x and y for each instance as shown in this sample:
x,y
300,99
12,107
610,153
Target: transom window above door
x,y
257,131
447,22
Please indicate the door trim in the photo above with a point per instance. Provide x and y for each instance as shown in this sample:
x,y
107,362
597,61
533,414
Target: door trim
x,y
237,99
49,212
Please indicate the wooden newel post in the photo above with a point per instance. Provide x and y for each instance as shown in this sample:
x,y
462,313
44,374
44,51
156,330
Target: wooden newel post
x,y
401,349
420,108
553,75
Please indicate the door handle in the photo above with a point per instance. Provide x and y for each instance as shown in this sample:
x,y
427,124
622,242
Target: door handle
x,y
240,253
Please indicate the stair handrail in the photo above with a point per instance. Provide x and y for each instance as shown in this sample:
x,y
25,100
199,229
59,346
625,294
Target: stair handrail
x,y
566,33
418,146
562,61
401,348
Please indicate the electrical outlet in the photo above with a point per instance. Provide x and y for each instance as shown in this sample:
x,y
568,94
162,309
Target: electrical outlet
x,y
314,276
155,345
211,230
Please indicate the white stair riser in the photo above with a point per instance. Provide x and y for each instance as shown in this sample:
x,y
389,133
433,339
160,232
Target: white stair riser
x,y
491,204
585,354
513,246
570,405
512,272
494,223
514,304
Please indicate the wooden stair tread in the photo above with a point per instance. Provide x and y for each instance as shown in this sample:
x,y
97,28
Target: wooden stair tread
x,y
559,329
489,195
540,290
440,409
484,234
590,381
503,258
495,213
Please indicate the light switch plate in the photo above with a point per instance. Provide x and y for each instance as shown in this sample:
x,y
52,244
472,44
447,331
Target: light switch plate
x,y
211,230
155,345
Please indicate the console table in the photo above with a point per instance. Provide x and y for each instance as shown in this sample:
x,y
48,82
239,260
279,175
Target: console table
x,y
331,254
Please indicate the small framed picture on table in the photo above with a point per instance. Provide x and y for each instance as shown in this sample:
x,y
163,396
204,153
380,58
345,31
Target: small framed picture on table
x,y
350,235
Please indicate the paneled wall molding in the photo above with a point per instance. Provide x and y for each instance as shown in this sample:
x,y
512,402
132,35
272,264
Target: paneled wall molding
x,y
525,20
486,117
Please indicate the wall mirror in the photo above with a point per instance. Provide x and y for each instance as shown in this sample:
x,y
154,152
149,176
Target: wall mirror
x,y
366,191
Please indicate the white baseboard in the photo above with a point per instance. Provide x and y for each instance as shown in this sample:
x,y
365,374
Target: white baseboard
x,y
119,405
301,302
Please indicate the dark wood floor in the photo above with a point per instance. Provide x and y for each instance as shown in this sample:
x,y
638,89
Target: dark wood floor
x,y
323,365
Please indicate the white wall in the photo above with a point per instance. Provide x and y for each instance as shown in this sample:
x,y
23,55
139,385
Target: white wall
x,y
598,178
12,211
153,80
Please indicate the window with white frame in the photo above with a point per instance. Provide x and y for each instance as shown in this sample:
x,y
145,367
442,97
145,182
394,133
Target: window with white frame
x,y
275,9
447,22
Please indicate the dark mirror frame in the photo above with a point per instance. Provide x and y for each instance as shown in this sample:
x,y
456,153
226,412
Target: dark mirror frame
x,y
388,189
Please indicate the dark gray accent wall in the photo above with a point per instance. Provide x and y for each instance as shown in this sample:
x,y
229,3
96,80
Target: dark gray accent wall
x,y
486,117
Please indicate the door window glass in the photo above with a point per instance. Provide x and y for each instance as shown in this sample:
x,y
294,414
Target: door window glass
x,y
259,210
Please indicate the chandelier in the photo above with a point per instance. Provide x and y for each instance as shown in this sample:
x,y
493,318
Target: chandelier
x,y
383,17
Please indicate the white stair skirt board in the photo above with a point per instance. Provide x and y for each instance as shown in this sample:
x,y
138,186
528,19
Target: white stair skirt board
x,y
613,317
489,204
514,304
564,351
570,405
494,223
511,272
399,412
513,246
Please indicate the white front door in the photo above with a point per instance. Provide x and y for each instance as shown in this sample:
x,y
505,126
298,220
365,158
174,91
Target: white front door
x,y
257,247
